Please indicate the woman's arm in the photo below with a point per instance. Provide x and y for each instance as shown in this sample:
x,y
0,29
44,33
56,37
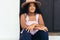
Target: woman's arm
x,y
41,25
40,21
22,21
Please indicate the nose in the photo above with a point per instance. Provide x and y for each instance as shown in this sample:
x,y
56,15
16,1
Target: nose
x,y
32,8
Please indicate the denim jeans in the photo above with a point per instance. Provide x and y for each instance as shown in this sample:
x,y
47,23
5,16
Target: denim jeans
x,y
40,35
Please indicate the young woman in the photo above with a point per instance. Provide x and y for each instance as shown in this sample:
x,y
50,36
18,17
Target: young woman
x,y
32,22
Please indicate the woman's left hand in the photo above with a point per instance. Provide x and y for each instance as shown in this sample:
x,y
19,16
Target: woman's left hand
x,y
42,28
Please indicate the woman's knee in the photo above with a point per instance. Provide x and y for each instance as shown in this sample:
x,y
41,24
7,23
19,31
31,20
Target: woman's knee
x,y
25,35
43,33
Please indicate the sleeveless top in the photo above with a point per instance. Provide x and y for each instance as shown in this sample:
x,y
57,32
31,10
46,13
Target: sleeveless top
x,y
32,22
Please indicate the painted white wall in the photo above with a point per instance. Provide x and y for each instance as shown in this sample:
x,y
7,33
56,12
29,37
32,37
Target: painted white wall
x,y
9,19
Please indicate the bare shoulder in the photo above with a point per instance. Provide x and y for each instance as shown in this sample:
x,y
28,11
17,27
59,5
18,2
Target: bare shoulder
x,y
40,15
23,15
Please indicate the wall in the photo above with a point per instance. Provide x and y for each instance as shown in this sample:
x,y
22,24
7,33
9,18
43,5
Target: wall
x,y
9,19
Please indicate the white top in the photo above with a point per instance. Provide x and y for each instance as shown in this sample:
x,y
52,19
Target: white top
x,y
32,22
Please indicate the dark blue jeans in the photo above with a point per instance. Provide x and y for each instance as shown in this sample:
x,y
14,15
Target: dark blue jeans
x,y
40,35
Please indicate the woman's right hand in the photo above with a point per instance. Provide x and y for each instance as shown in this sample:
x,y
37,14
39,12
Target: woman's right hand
x,y
30,28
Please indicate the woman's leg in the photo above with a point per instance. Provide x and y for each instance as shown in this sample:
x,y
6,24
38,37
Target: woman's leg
x,y
25,35
41,35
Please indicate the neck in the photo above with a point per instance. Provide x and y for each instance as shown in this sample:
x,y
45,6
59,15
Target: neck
x,y
31,14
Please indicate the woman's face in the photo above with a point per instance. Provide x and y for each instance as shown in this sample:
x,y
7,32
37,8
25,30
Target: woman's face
x,y
32,8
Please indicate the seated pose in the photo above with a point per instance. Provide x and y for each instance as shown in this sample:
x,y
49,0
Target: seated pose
x,y
32,23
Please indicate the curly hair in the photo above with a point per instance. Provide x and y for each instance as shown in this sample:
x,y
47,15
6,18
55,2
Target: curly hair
x,y
25,9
